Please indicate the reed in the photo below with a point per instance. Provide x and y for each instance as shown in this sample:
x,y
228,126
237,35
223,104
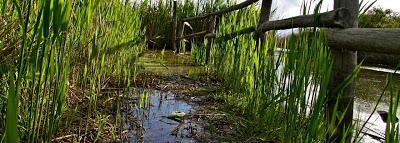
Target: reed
x,y
281,88
64,49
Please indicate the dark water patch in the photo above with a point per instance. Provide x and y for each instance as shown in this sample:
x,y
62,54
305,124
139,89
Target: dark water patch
x,y
157,119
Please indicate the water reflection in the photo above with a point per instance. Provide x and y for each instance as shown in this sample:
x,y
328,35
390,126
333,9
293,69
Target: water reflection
x,y
370,85
155,121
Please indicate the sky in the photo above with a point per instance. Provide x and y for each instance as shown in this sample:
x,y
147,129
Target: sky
x,y
289,8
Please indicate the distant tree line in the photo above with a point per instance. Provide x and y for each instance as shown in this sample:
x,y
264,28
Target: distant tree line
x,y
379,18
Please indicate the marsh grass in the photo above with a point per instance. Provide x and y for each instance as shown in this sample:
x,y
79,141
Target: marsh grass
x,y
60,57
281,90
66,50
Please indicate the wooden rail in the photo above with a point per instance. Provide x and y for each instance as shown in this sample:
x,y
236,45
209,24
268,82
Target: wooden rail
x,y
194,35
174,26
227,10
330,19
345,39
377,40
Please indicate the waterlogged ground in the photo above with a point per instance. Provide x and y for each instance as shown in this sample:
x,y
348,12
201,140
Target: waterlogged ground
x,y
173,83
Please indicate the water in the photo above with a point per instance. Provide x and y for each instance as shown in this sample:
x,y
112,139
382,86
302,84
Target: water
x,y
375,126
153,125
370,84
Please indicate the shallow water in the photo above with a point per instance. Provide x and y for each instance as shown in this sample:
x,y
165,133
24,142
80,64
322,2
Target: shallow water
x,y
375,126
152,124
370,84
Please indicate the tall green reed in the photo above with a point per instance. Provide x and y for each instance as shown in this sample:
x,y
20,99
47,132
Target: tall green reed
x,y
281,88
67,48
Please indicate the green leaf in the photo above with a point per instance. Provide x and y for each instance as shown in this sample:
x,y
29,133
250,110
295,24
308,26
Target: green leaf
x,y
11,132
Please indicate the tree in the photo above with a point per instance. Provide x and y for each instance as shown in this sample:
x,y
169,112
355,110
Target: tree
x,y
379,18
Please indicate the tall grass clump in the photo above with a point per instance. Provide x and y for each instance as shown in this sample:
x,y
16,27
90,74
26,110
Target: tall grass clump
x,y
58,56
157,18
282,87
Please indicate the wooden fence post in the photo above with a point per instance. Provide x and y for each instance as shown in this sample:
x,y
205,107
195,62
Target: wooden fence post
x,y
264,16
344,63
211,30
174,25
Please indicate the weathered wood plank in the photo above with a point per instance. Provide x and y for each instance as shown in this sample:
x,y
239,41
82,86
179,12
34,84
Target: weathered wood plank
x,y
264,17
376,40
229,9
344,63
233,34
194,35
174,27
331,19
213,23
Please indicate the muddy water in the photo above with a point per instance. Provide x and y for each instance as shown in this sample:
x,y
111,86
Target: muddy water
x,y
155,121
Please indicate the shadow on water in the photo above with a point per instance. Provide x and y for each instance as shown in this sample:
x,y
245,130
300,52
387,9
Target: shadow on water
x,y
156,119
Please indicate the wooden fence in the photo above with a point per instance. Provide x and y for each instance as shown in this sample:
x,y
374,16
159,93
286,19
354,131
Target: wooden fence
x,y
343,37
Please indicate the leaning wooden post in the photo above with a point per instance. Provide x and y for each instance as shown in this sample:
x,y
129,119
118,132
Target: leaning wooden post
x,y
211,30
174,25
344,63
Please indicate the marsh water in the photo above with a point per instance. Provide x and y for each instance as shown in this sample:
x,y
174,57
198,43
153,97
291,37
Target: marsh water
x,y
370,84
155,127
156,122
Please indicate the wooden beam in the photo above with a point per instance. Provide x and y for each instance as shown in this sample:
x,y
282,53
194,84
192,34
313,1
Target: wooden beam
x,y
333,19
229,9
174,27
378,40
194,35
211,30
232,35
264,17
344,63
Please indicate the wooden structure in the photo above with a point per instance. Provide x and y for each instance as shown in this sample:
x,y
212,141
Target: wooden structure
x,y
344,38
174,27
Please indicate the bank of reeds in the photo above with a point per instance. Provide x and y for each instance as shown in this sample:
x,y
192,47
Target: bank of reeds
x,y
282,91
57,58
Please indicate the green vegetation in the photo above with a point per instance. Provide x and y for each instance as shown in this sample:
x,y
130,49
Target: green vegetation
x,y
66,67
158,19
57,55
281,89
380,18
